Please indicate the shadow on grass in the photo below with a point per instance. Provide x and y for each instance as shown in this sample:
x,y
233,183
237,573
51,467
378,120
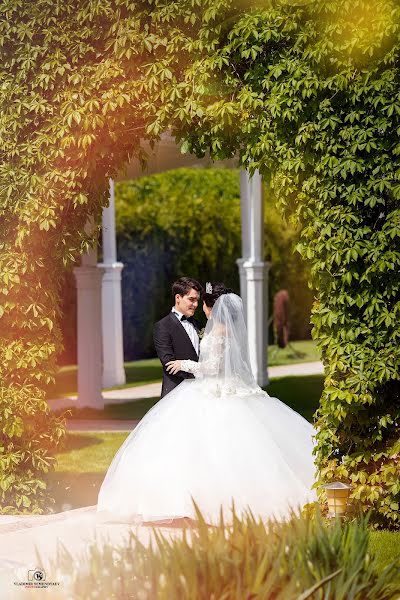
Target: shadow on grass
x,y
74,442
134,409
137,372
302,394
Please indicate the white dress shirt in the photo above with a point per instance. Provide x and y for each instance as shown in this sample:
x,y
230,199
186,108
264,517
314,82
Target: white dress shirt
x,y
190,330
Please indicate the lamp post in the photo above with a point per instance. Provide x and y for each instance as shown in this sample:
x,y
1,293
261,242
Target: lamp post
x,y
337,494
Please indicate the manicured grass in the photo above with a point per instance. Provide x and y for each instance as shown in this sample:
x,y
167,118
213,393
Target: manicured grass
x,y
88,451
81,467
301,393
134,409
92,452
149,371
386,546
297,352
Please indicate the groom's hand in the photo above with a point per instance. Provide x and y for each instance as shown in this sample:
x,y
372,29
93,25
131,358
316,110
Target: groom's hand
x,y
173,366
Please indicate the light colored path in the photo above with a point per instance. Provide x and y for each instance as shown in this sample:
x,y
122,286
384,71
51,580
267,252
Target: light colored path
x,y
307,368
21,537
153,390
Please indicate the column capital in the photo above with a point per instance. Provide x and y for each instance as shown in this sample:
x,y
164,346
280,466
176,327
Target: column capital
x,y
111,271
255,270
115,266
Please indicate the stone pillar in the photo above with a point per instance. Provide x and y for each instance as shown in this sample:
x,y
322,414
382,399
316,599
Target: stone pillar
x,y
113,350
88,282
253,273
257,319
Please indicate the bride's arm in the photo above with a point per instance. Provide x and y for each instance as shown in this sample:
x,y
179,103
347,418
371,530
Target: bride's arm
x,y
209,366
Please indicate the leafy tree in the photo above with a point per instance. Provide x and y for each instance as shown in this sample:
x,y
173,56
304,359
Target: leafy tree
x,y
308,94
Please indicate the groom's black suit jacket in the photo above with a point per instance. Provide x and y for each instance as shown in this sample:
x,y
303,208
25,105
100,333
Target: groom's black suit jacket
x,y
173,343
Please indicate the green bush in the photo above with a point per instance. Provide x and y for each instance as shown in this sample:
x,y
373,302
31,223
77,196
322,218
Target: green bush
x,y
181,222
187,222
295,560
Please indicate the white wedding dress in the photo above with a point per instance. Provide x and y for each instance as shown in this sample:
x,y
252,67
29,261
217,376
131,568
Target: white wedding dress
x,y
217,439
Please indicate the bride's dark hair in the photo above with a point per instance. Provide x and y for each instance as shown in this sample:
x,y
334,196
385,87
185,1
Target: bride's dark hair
x,y
218,289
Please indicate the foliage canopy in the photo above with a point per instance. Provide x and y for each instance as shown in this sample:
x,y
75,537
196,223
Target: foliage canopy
x,y
309,94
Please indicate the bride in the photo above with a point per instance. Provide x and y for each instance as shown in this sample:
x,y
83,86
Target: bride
x,y
216,439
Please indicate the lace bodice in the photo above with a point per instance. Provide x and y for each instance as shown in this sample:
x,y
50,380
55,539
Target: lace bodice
x,y
224,362
213,346
212,369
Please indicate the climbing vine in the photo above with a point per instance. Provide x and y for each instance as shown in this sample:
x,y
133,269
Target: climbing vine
x,y
308,93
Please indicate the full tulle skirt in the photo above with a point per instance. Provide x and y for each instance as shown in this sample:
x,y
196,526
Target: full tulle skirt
x,y
214,448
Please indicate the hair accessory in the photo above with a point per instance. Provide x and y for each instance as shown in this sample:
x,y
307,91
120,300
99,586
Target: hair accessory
x,y
208,288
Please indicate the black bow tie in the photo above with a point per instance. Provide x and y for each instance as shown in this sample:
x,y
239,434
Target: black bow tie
x,y
183,318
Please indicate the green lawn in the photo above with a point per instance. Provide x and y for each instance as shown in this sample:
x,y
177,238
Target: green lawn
x,y
386,545
137,373
87,452
296,352
149,370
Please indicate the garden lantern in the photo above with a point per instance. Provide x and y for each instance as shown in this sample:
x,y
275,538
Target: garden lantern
x,y
337,494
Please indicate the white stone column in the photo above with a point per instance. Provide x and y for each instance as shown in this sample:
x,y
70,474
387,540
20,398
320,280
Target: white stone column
x,y
258,343
253,273
113,349
88,282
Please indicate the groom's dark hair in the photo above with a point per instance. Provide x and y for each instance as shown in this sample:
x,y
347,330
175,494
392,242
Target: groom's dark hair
x,y
183,286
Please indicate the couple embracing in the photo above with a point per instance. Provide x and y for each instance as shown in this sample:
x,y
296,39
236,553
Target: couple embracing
x,y
215,436
176,336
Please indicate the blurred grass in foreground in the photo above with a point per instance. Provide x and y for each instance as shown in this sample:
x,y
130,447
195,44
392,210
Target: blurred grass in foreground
x,y
298,559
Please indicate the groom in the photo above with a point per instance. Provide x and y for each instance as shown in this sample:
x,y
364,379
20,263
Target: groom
x,y
176,335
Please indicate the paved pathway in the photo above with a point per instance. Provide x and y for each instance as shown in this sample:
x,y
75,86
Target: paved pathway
x,y
153,390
